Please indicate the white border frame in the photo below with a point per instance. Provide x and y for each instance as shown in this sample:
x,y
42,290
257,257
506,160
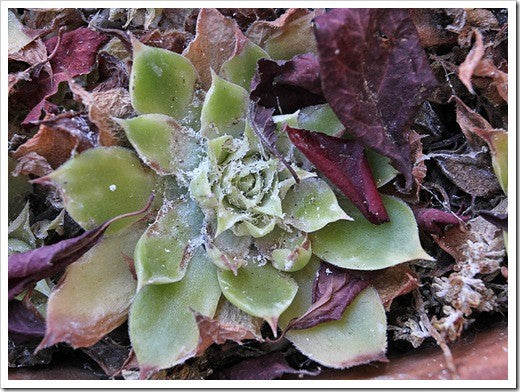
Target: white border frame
x,y
512,125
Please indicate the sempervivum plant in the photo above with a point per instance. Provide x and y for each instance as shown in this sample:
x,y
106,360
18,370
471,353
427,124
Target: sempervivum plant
x,y
257,216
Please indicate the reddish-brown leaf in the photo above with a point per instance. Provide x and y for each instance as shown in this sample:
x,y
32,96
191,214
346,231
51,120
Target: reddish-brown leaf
x,y
375,75
467,68
58,137
334,289
264,367
434,221
344,163
287,85
25,269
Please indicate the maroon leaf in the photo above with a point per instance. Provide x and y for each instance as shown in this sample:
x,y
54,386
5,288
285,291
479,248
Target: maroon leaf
x,y
263,125
73,53
344,163
287,85
375,75
334,289
25,269
264,367
77,51
24,322
497,219
434,221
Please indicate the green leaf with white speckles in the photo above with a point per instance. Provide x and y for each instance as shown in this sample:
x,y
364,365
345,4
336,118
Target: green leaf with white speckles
x,y
362,245
102,183
260,291
358,337
161,81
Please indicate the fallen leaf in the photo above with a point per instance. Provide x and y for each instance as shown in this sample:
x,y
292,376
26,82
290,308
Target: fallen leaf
x,y
344,163
429,23
287,85
218,39
375,76
393,282
333,290
260,30
76,52
247,16
112,72
229,323
467,68
102,107
109,355
469,172
459,243
173,40
434,221
261,120
59,137
264,367
497,219
486,68
34,53
24,322
25,269
32,163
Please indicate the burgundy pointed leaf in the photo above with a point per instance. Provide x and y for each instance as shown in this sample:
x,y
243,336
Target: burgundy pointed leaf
x,y
287,85
375,75
264,127
25,269
24,322
434,221
344,163
334,289
264,367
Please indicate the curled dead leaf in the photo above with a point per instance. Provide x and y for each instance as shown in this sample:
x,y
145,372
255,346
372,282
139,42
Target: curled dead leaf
x,y
229,323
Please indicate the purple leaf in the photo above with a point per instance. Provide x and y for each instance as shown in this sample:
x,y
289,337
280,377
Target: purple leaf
x,y
334,289
497,219
434,221
287,85
264,127
264,367
25,269
375,75
344,163
24,323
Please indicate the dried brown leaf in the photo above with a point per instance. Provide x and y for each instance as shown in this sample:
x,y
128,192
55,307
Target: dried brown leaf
x,y
392,282
218,39
229,323
472,60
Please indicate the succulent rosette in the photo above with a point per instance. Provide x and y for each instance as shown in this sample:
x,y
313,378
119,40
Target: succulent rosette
x,y
238,225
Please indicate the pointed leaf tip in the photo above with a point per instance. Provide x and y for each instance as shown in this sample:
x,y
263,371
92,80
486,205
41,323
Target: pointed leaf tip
x,y
344,163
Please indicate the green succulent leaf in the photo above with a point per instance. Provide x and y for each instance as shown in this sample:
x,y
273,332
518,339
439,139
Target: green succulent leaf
x,y
228,251
261,291
165,249
311,205
241,68
95,293
224,109
365,246
498,145
163,330
161,81
163,144
102,183
358,337
288,251
17,246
